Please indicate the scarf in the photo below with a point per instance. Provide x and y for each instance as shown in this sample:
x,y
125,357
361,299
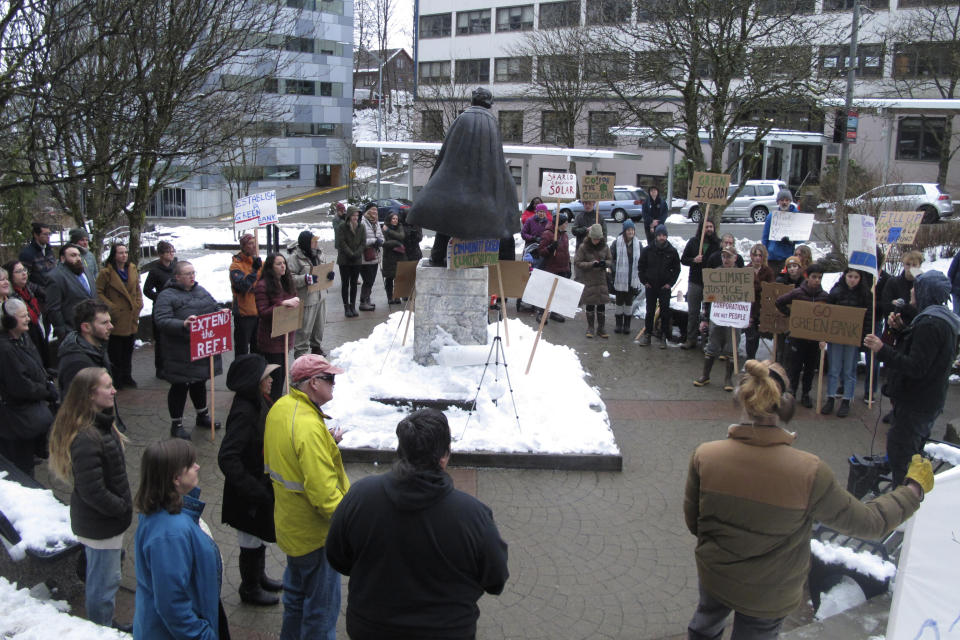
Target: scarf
x,y
621,281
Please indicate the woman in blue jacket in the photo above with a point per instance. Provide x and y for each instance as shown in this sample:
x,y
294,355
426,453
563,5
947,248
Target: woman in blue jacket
x,y
178,564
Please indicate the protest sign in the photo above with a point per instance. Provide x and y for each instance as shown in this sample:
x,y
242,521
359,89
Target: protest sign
x,y
320,272
596,188
728,285
285,320
862,243
898,227
771,320
559,185
790,224
566,298
514,274
826,322
406,279
924,596
211,334
730,314
256,210
709,187
464,254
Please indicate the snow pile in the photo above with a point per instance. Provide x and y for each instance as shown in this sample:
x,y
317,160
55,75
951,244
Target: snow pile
x,y
27,618
862,562
42,521
944,452
846,594
558,411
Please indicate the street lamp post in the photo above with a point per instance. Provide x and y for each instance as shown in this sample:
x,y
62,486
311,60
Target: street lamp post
x,y
848,105
379,117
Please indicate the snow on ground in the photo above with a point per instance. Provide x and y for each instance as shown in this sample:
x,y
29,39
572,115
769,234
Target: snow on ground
x,y
27,618
862,562
378,366
943,452
846,594
42,521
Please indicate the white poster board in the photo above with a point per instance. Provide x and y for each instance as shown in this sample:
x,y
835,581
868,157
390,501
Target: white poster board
x,y
862,243
562,186
730,314
925,592
790,224
566,299
256,210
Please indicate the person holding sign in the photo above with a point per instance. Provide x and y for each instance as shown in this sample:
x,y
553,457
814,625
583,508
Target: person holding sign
x,y
655,212
722,342
556,256
176,309
591,260
658,268
585,219
751,501
303,258
624,256
695,256
851,290
275,288
779,249
803,355
761,273
244,271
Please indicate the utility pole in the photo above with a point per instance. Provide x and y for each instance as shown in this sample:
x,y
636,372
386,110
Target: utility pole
x,y
853,63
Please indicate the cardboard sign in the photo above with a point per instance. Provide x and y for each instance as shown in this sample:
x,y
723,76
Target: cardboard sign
x,y
210,334
790,224
285,320
771,320
465,254
827,322
320,272
924,598
596,188
514,273
728,285
709,188
862,243
559,185
730,314
566,299
898,227
406,279
257,210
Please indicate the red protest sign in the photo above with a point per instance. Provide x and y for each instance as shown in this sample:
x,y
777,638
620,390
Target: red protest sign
x,y
210,334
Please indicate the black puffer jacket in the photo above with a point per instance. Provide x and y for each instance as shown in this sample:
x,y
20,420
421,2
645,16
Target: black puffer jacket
x,y
75,354
174,305
247,492
100,505
711,244
24,390
659,266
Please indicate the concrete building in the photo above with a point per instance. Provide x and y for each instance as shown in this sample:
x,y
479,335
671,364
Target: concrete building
x,y
469,44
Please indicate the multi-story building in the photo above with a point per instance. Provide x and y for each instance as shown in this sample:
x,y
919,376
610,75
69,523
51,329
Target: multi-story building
x,y
474,43
397,72
308,145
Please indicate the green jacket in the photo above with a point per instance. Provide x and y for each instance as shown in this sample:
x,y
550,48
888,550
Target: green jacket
x,y
751,500
349,245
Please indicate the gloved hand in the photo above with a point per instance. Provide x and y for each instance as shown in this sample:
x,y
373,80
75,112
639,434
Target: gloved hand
x,y
552,246
310,279
596,263
53,395
921,472
330,276
784,239
601,264
378,243
257,263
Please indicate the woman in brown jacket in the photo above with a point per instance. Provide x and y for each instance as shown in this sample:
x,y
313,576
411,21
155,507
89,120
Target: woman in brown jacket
x,y
118,287
591,260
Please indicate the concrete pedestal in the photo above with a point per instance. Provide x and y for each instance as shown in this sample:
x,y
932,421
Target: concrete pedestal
x,y
452,300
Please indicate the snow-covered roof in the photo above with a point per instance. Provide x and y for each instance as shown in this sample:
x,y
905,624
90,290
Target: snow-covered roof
x,y
508,149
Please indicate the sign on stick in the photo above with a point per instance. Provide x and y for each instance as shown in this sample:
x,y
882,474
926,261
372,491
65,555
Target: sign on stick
x,y
256,210
790,224
862,243
515,274
320,272
286,319
709,188
730,314
771,320
827,322
596,188
898,227
406,278
566,298
559,185
728,285
473,253
211,334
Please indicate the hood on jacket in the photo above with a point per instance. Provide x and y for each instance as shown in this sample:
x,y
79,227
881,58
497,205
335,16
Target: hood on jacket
x,y
304,240
73,343
932,290
417,491
246,372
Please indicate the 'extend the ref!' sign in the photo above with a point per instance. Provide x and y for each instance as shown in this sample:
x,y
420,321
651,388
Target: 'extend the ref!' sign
x,y
710,188
210,335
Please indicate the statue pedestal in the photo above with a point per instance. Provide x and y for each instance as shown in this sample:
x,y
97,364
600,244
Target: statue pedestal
x,y
454,300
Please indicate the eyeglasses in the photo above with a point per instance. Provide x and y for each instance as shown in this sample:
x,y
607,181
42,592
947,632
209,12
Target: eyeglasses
x,y
188,274
20,270
327,378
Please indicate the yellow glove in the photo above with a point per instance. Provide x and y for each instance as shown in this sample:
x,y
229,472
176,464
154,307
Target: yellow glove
x,y
921,472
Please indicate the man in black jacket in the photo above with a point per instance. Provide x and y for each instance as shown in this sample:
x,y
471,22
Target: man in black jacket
x,y
159,274
918,369
695,257
659,268
87,346
419,553
37,256
655,212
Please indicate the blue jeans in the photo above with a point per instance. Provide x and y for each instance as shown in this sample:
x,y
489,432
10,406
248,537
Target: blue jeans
x,y
711,615
842,364
102,582
311,598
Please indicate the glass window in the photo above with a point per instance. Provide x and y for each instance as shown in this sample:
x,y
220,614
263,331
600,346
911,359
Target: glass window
x,y
517,174
918,138
435,26
511,126
431,122
559,14
469,22
764,189
557,67
553,129
471,71
622,194
598,134
847,5
515,18
437,72
608,11
512,70
922,59
835,60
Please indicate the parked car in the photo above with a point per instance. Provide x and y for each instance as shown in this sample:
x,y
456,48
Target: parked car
x,y
388,206
756,199
903,196
627,203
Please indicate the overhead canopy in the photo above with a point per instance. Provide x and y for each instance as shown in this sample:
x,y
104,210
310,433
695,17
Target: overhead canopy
x,y
515,150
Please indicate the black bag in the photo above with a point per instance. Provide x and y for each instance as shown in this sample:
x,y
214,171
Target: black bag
x,y
25,421
865,474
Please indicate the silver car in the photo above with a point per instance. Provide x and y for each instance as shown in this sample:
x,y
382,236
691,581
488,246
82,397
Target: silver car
x,y
627,203
903,196
756,199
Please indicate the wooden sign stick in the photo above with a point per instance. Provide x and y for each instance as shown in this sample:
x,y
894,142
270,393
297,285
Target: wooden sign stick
x,y
503,306
410,302
873,324
736,350
703,228
543,321
823,356
286,363
213,405
556,219
774,347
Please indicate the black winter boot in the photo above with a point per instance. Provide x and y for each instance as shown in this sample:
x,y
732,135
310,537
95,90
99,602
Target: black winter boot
x,y
618,317
177,430
601,320
728,377
250,590
704,379
626,323
266,583
203,419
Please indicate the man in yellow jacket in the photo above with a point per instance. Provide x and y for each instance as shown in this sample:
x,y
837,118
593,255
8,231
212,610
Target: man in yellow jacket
x,y
304,463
